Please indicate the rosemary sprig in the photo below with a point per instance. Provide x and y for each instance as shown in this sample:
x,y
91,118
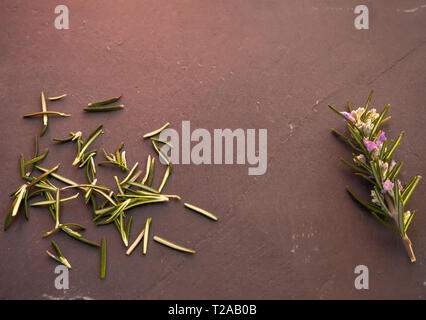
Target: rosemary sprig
x,y
375,164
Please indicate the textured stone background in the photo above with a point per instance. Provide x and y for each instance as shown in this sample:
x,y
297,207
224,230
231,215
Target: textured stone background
x,y
291,233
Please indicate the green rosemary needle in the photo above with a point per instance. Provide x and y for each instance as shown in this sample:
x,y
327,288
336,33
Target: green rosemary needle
x,y
151,173
148,164
117,211
155,132
104,102
145,236
126,179
117,159
162,141
104,109
45,117
128,227
44,113
92,137
161,154
50,202
78,236
172,245
58,177
135,243
57,97
37,158
73,136
201,211
103,257
60,258
165,178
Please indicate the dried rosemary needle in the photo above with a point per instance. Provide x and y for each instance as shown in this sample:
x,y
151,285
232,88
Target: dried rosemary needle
x,y
172,245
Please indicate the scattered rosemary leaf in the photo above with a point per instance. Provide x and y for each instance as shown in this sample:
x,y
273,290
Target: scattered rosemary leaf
x,y
145,236
44,113
45,174
165,178
172,245
133,179
57,206
135,243
148,164
161,154
26,211
104,102
162,141
49,202
115,214
118,184
37,158
142,186
104,109
60,258
58,177
73,136
130,174
155,132
202,211
22,165
103,257
45,117
151,173
57,97
74,235
92,137
128,227
122,231
86,186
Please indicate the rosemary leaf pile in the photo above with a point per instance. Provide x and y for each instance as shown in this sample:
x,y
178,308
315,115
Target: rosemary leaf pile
x,y
373,160
108,206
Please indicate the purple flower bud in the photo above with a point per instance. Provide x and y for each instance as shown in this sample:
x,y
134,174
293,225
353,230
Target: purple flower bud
x,y
393,163
382,137
370,145
348,115
387,185
401,188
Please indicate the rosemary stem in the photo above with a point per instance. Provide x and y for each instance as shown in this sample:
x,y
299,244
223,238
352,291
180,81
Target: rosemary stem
x,y
405,240
409,248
